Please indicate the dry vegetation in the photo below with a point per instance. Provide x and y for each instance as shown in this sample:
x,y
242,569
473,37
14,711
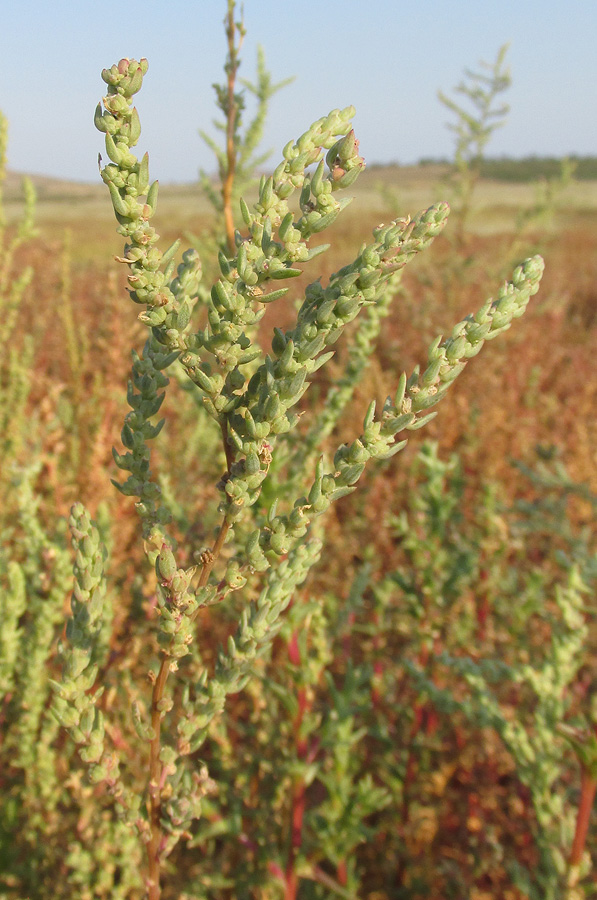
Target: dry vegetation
x,y
463,807
545,395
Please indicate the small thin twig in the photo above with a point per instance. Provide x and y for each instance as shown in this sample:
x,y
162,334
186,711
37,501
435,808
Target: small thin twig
x,y
317,874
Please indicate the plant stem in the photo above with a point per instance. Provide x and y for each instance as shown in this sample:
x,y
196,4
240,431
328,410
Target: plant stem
x,y
153,847
299,787
482,609
334,886
231,115
227,447
155,769
588,787
215,552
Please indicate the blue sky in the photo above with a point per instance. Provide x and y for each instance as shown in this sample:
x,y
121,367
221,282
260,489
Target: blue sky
x,y
386,58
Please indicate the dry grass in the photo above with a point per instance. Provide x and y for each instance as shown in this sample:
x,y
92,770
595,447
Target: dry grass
x,y
536,385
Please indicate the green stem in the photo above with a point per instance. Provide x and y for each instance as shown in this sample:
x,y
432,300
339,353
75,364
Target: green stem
x,y
231,116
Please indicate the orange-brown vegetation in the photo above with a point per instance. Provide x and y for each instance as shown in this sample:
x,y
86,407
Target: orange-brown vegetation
x,y
462,809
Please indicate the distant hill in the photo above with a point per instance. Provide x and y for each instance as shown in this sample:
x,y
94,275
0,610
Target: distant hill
x,y
47,188
505,169
58,190
529,168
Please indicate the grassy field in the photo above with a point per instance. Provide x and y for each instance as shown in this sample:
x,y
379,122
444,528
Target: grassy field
x,y
183,207
465,810
567,301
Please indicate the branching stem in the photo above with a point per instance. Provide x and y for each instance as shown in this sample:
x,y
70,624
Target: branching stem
x,y
155,770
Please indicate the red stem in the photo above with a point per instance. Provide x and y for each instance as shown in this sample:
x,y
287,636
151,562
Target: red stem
x,y
298,812
483,609
588,785
342,873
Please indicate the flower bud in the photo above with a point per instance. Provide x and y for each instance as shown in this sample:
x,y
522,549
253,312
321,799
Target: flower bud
x,y
166,563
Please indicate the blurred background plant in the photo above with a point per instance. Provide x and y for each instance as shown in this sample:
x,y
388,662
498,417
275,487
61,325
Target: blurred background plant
x,y
16,350
422,724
